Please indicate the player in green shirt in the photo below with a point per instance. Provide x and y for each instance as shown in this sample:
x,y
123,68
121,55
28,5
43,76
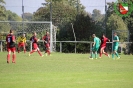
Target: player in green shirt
x,y
115,46
95,47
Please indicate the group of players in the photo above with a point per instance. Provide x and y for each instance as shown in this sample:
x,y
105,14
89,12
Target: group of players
x,y
11,42
98,43
101,43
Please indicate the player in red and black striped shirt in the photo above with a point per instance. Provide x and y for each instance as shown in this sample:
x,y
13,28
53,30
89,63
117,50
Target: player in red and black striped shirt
x,y
10,39
34,41
104,40
46,39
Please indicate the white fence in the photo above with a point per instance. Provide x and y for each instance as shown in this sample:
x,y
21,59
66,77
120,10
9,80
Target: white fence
x,y
122,44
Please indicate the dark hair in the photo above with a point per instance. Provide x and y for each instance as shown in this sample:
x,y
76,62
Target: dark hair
x,y
93,34
33,32
115,33
11,31
103,35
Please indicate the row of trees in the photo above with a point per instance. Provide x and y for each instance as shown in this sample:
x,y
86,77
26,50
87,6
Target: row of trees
x,y
7,15
65,12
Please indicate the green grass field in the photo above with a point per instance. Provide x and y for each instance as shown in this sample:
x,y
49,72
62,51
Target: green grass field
x,y
66,71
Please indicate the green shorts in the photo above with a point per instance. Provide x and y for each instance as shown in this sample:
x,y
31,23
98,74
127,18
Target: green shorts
x,y
95,48
115,48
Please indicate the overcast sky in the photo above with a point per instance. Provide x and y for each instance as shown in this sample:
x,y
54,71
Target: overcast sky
x,y
32,5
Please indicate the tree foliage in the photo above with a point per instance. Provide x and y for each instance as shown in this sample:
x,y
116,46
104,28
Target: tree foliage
x,y
96,15
65,12
12,16
7,15
28,16
2,10
129,22
114,22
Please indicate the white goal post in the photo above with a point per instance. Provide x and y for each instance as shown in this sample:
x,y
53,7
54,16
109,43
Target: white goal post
x,y
28,27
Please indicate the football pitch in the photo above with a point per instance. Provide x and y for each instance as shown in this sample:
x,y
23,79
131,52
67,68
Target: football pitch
x,y
66,71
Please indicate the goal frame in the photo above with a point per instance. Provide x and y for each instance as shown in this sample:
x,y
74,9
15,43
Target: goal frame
x,y
47,22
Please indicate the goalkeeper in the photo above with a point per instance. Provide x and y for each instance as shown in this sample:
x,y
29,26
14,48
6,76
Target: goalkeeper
x,y
22,42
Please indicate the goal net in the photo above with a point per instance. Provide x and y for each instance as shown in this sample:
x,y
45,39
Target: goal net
x,y
28,28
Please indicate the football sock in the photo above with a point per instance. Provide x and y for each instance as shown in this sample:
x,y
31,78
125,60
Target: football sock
x,y
113,55
18,50
92,55
95,54
117,54
24,50
106,54
48,52
13,58
32,51
8,57
39,52
100,54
